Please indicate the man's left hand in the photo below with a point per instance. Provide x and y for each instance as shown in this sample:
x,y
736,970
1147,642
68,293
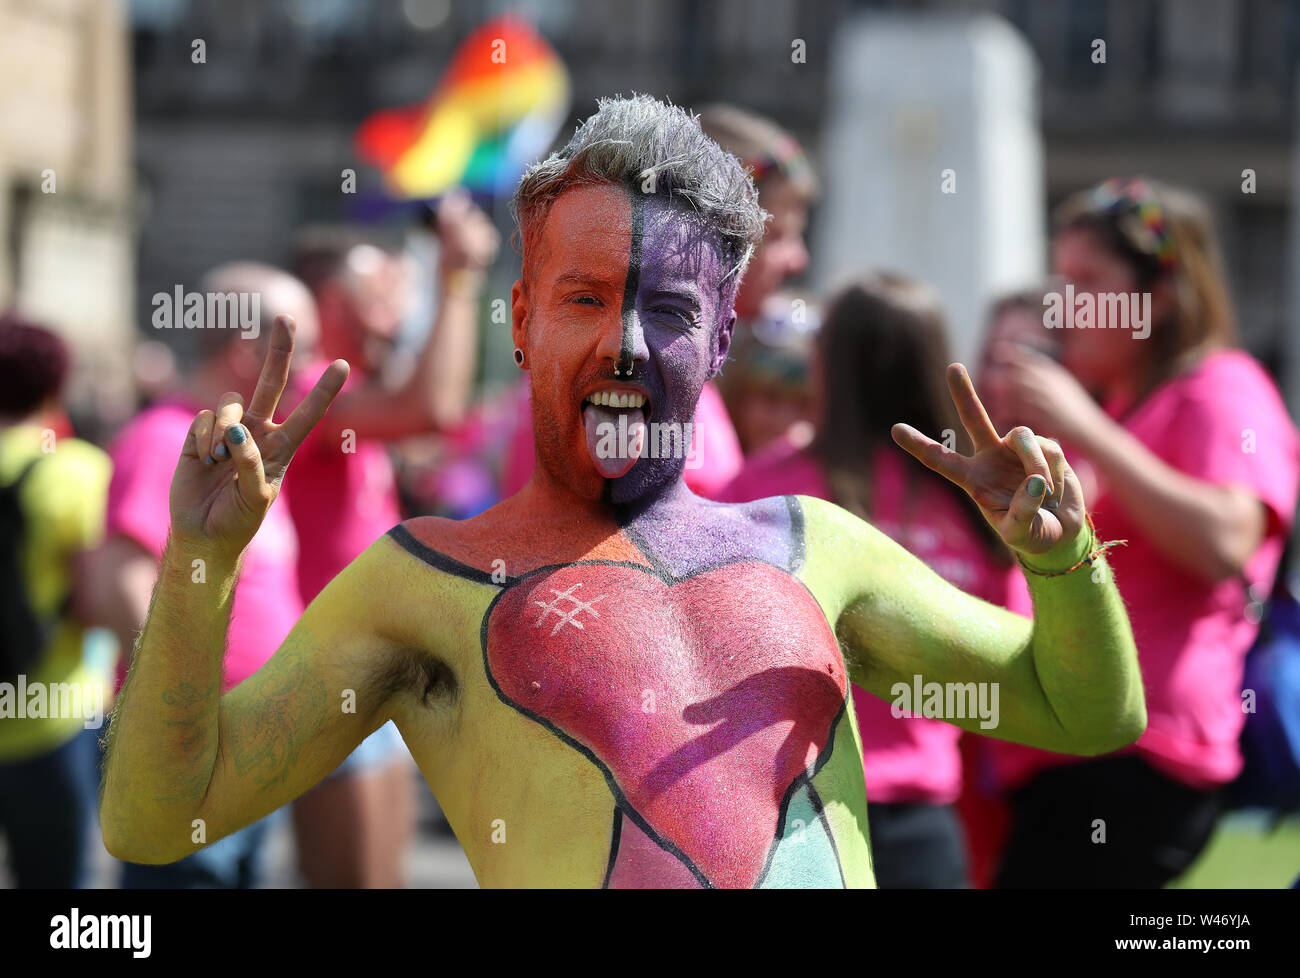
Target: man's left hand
x,y
1020,481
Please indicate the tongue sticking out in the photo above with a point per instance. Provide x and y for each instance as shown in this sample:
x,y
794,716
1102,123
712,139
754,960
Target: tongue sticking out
x,y
615,438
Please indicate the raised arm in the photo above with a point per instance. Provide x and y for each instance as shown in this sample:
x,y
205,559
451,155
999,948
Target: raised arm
x,y
1066,681
435,395
186,766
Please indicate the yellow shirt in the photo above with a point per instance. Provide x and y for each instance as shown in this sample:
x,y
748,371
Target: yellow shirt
x,y
63,502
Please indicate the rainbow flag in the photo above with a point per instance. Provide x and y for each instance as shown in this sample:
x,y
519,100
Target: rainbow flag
x,y
496,109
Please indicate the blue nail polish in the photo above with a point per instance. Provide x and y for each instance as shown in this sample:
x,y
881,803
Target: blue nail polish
x,y
1036,485
221,451
237,434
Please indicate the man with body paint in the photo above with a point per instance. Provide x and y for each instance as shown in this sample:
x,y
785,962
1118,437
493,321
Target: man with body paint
x,y
605,679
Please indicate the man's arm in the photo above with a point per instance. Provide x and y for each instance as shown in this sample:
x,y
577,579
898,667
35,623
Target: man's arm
x,y
1068,681
181,756
174,743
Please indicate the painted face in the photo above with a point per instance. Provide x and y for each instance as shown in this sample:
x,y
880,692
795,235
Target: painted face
x,y
622,303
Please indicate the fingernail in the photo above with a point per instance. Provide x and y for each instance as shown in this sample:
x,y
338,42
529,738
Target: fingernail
x,y
237,434
1036,485
209,461
221,451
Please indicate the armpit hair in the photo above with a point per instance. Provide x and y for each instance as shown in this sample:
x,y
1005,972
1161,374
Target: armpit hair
x,y
429,680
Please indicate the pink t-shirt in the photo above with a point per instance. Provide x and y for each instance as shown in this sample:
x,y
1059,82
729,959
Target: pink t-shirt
x,y
342,495
715,460
1223,422
266,600
905,759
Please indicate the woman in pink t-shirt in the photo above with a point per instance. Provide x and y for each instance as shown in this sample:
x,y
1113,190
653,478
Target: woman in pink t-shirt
x,y
1196,461
880,358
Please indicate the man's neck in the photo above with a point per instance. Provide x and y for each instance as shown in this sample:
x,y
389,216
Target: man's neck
x,y
549,493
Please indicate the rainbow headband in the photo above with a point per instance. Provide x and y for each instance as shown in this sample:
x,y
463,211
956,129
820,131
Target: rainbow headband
x,y
1150,233
786,158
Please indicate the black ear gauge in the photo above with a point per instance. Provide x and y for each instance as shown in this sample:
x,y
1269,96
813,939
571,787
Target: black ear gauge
x,y
519,357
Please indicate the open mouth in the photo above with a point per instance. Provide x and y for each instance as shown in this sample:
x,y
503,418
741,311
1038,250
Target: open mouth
x,y
614,421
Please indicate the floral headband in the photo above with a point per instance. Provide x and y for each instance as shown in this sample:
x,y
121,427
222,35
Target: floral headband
x,y
1141,218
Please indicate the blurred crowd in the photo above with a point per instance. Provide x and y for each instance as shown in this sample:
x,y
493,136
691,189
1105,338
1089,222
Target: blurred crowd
x,y
1180,439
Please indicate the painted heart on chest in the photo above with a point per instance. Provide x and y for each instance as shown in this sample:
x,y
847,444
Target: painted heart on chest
x,y
702,699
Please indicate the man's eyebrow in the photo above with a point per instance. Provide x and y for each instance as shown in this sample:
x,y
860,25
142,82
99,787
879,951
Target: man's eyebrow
x,y
683,289
579,277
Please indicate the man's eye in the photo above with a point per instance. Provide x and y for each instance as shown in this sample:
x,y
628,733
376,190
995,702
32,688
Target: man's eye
x,y
681,315
586,300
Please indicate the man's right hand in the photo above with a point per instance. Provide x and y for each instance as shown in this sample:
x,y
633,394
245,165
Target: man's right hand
x,y
234,460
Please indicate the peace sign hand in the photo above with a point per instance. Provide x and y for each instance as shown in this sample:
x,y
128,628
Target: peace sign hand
x,y
234,460
1004,473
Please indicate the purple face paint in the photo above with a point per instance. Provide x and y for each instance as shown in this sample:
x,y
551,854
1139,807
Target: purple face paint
x,y
671,318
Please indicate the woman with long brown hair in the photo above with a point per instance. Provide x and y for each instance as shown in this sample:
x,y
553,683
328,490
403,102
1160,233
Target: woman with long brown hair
x,y
1198,467
880,357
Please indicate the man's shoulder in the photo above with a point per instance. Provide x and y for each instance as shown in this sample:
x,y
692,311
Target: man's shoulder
x,y
475,549
832,530
816,508
784,509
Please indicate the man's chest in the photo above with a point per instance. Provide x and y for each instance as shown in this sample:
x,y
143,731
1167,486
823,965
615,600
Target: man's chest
x,y
705,700
656,706
587,639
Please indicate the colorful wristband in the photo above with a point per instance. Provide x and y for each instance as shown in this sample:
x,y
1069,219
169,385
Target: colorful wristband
x,y
1094,549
